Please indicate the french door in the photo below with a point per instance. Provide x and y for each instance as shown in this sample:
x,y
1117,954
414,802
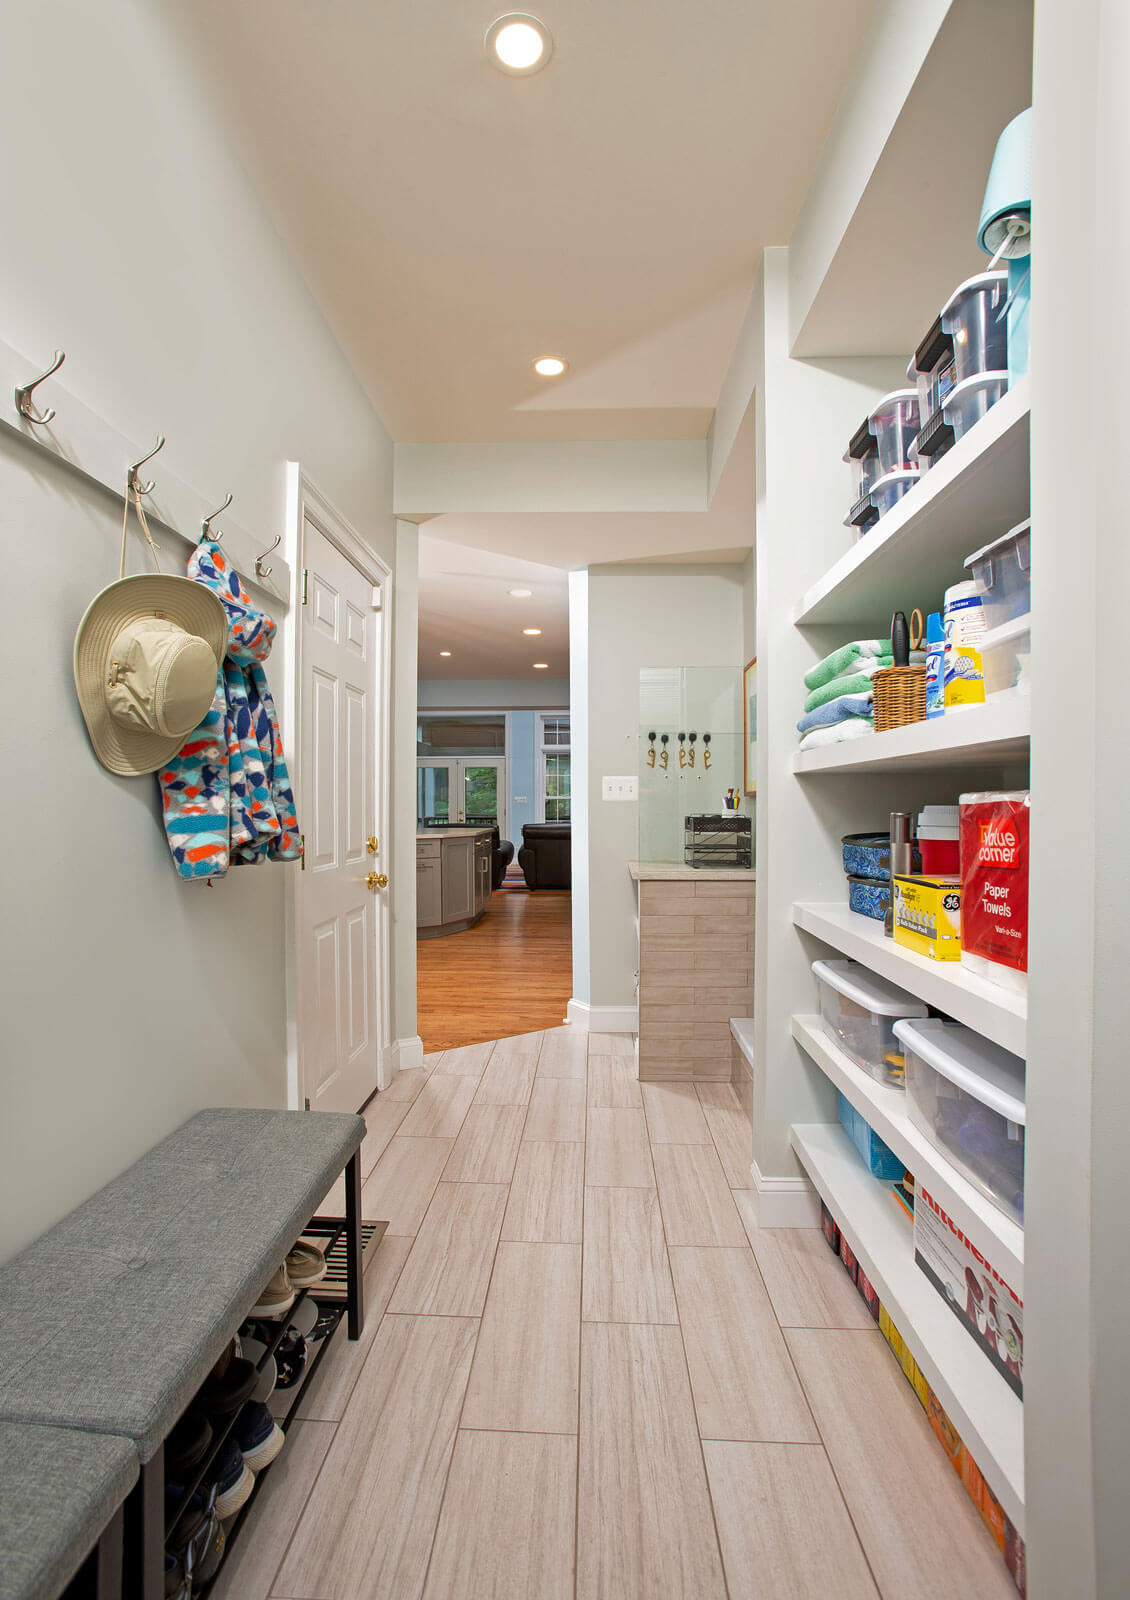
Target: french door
x,y
470,791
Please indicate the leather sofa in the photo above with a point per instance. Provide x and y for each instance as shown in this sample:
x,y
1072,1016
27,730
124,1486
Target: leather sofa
x,y
502,851
546,856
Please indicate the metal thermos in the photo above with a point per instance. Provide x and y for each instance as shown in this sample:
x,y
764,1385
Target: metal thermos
x,y
902,861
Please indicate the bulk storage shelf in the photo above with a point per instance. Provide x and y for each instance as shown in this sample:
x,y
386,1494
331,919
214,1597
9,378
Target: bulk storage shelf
x,y
911,556
886,1110
982,1407
990,734
997,1013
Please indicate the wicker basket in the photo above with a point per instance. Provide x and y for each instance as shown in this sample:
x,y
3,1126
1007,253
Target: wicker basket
x,y
900,697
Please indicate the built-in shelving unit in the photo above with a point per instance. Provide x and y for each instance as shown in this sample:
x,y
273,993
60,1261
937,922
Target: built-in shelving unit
x,y
985,1411
998,1013
978,490
991,734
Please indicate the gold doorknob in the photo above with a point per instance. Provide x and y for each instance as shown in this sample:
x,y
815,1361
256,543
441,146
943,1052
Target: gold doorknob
x,y
371,844
376,880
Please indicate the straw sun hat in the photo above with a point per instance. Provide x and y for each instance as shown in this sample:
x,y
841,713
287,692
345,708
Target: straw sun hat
x,y
147,655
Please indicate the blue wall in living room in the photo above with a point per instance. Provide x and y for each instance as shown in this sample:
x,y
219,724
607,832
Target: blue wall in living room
x,y
523,772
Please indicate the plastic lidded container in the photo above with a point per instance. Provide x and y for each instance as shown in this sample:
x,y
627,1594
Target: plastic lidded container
x,y
972,316
939,840
1002,572
860,1010
878,1157
1005,655
890,488
932,370
862,455
971,399
967,1096
894,423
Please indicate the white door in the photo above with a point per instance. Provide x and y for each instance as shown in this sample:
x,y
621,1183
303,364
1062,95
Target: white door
x,y
340,923
469,790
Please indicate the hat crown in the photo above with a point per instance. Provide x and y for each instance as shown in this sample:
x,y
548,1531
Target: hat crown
x,y
160,678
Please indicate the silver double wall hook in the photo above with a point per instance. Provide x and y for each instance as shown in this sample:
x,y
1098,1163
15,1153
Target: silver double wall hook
x,y
261,570
206,525
133,481
23,395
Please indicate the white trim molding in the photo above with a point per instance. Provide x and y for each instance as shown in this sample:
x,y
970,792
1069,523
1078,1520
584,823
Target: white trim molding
x,y
784,1202
603,1019
402,1054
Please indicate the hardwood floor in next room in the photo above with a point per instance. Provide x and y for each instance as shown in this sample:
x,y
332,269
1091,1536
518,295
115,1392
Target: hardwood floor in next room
x,y
586,1374
511,973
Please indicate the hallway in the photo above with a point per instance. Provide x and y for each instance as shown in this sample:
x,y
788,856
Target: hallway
x,y
511,973
586,1372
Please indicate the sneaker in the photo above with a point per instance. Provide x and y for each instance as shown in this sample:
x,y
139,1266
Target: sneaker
x,y
259,1436
186,1446
254,1349
277,1298
290,1358
219,1397
233,1479
305,1265
176,1584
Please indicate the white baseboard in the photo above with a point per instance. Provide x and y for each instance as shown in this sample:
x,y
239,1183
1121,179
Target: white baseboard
x,y
784,1202
404,1053
602,1019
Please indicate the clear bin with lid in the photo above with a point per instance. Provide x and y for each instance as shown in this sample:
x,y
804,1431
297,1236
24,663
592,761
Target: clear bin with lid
x,y
970,400
862,455
974,318
894,424
1002,572
966,1095
889,490
860,1010
1005,655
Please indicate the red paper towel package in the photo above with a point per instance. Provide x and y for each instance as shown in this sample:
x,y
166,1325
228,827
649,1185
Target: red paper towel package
x,y
994,881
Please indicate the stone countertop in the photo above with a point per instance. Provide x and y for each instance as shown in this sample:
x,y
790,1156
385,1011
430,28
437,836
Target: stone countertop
x,y
450,833
679,872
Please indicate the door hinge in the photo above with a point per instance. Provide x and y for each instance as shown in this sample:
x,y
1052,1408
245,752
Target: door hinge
x,y
305,585
378,597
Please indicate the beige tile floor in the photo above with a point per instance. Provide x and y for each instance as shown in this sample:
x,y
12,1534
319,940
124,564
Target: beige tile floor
x,y
586,1374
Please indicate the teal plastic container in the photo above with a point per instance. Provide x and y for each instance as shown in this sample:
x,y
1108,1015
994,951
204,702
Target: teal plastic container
x,y
879,1159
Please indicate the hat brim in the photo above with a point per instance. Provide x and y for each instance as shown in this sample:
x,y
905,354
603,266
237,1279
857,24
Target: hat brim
x,y
133,752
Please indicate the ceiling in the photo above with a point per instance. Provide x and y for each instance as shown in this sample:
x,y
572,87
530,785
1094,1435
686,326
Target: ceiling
x,y
466,607
454,223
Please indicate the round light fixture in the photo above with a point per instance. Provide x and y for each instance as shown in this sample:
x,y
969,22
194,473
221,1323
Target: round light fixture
x,y
549,366
521,594
541,666
519,44
532,632
445,652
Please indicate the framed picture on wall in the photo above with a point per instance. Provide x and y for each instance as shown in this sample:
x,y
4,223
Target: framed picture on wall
x,y
750,705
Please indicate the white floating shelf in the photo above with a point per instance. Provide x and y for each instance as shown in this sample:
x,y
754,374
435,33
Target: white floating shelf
x,y
985,1411
997,1013
995,732
978,490
996,1236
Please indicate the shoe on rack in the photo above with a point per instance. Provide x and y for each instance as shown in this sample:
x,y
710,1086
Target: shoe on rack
x,y
219,1397
233,1480
176,1584
258,1435
254,1349
187,1445
290,1358
277,1298
305,1265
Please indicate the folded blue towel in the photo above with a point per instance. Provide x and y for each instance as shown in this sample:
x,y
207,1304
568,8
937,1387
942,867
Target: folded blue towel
x,y
833,711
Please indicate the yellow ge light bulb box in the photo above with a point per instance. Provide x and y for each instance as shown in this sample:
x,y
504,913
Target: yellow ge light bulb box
x,y
928,916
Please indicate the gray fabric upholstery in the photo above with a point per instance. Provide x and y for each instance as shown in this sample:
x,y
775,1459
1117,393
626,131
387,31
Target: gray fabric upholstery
x,y
112,1319
58,1490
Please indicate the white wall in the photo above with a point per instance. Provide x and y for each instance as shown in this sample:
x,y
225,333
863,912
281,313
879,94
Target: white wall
x,y
135,243
493,694
406,616
638,616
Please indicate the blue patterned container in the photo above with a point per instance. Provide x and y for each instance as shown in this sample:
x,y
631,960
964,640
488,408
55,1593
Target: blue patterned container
x,y
869,896
868,855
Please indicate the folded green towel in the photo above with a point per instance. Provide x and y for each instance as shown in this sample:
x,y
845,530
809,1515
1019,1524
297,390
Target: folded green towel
x,y
842,660
851,683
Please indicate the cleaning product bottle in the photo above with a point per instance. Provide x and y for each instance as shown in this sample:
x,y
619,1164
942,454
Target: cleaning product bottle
x,y
935,665
964,630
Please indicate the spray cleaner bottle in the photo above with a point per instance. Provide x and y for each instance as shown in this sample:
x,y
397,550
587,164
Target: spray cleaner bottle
x,y
935,665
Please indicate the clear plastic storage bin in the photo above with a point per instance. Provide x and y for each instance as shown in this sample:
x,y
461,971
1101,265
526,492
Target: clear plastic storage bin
x,y
1002,572
967,1096
894,423
972,318
1005,654
860,1010
889,490
970,400
879,1159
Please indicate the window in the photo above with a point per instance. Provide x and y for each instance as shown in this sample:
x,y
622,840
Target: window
x,y
555,768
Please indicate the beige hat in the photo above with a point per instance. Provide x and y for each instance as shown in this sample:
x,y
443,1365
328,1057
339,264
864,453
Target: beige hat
x,y
147,655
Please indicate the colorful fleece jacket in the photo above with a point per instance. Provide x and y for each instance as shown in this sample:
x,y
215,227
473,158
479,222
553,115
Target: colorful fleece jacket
x,y
226,796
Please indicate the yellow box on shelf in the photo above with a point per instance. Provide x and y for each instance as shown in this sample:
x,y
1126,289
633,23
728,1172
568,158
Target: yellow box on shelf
x,y
927,916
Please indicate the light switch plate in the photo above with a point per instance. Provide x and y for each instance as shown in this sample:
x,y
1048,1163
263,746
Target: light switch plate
x,y
520,800
620,788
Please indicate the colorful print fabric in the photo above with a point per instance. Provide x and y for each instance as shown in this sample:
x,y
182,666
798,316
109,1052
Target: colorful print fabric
x,y
227,797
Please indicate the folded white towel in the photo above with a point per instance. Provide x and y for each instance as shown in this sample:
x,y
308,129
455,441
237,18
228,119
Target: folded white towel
x,y
856,728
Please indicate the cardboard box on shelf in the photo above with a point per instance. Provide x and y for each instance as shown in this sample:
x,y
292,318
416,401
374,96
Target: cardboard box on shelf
x,y
927,916
987,1306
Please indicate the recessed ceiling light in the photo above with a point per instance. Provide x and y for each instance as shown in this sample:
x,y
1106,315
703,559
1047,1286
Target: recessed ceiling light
x,y
521,594
549,366
531,631
519,44
540,665
445,652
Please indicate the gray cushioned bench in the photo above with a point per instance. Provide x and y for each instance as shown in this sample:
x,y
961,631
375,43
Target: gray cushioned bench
x,y
60,1491
113,1318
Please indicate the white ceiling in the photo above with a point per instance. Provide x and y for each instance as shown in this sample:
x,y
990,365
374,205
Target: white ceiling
x,y
454,222
466,607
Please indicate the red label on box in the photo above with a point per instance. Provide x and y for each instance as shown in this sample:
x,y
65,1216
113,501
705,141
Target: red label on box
x,y
994,880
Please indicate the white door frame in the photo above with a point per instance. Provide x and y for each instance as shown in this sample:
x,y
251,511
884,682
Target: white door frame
x,y
453,763
305,500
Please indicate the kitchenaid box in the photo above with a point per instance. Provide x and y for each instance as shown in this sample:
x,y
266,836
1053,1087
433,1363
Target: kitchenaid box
x,y
989,1309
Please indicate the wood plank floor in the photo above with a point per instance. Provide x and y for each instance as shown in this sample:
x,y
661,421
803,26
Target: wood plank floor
x,y
587,1375
511,973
